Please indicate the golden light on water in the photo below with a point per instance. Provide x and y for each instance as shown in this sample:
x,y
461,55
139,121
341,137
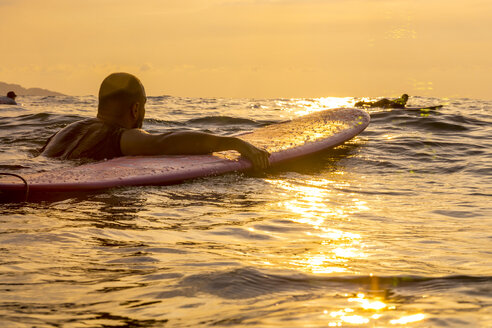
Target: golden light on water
x,y
367,304
335,102
408,319
367,309
331,250
303,107
347,318
310,204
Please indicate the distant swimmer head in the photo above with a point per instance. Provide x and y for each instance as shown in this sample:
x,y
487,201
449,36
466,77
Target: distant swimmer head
x,y
11,94
120,92
404,96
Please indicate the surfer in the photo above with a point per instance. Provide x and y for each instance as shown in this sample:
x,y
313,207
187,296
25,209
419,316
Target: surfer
x,y
9,99
117,131
385,103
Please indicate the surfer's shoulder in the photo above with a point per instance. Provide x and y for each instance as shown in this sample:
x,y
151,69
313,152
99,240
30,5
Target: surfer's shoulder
x,y
7,101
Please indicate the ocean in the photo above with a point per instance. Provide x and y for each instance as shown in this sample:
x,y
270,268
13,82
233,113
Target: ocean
x,y
391,229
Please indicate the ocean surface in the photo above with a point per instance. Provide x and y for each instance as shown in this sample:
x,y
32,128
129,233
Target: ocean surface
x,y
391,229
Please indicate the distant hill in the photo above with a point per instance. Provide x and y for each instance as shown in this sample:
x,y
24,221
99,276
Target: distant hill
x,y
20,91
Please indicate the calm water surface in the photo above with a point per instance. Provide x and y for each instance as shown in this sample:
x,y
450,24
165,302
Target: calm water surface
x,y
392,229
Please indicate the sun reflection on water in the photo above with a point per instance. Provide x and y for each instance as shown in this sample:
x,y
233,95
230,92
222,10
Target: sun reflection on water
x,y
366,303
368,309
311,204
307,106
302,107
408,319
328,249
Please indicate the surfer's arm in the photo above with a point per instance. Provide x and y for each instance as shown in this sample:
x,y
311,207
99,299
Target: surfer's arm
x,y
138,142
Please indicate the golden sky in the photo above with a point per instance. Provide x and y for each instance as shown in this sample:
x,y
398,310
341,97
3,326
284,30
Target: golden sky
x,y
252,48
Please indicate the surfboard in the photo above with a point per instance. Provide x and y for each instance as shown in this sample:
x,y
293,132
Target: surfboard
x,y
286,141
424,108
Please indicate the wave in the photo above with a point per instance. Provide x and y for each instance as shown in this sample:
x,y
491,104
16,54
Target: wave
x,y
37,120
434,124
249,282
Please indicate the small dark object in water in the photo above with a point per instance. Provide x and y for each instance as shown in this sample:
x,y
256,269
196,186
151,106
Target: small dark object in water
x,y
385,103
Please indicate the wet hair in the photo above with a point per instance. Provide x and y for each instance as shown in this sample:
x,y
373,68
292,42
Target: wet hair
x,y
119,90
11,94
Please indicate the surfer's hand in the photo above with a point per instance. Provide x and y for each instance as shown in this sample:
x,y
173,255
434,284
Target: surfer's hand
x,y
258,157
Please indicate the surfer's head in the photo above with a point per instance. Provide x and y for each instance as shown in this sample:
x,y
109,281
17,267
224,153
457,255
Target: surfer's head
x,y
122,100
404,96
11,94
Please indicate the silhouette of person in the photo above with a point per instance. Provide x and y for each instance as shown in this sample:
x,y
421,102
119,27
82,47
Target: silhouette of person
x,y
117,131
9,99
385,103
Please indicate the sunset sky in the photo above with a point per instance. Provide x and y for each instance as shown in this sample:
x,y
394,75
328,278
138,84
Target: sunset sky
x,y
252,48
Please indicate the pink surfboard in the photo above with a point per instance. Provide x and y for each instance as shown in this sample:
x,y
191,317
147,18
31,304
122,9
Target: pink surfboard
x,y
286,141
